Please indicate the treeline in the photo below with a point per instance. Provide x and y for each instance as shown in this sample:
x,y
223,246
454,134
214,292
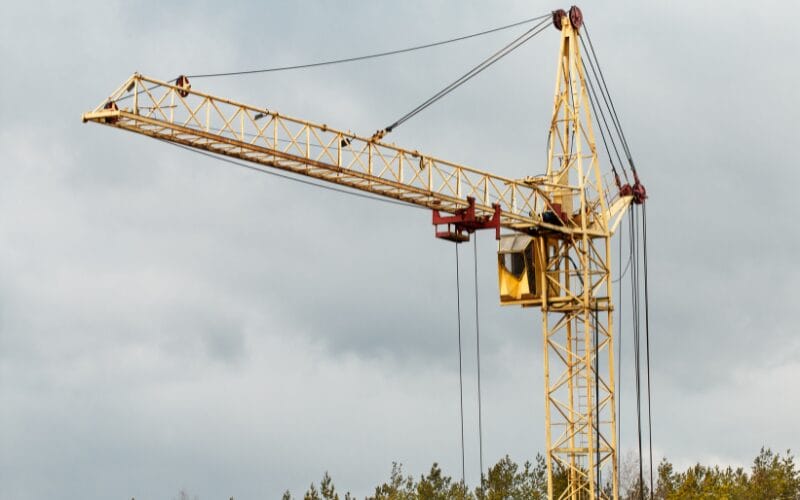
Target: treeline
x,y
771,476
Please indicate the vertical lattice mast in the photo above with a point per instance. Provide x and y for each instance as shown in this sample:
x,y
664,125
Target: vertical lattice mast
x,y
577,306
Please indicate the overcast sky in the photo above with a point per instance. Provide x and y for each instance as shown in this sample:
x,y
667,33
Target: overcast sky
x,y
171,322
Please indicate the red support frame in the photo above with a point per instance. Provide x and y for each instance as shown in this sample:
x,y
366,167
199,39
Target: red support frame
x,y
464,222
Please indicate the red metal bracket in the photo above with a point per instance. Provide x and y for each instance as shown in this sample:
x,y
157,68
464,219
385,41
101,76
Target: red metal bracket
x,y
464,222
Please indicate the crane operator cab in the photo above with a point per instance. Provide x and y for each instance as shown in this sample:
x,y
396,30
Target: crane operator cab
x,y
520,269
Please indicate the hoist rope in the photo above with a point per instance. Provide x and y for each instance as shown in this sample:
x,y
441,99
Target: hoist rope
x,y
647,344
633,239
460,369
294,179
507,49
372,56
599,101
638,343
598,111
598,478
619,358
478,348
612,108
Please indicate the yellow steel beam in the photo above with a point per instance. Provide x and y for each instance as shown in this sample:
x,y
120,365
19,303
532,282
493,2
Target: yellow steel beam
x,y
179,114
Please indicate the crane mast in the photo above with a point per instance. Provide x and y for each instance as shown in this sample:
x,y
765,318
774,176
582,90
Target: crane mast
x,y
577,318
555,255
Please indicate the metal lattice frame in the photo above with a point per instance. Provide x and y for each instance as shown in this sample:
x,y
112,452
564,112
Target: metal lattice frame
x,y
577,309
185,116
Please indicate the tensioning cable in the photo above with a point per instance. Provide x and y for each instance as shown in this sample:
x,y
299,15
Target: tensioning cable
x,y
371,56
365,57
483,65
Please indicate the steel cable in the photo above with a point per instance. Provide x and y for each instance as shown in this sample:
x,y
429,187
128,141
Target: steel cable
x,y
371,56
507,49
598,110
478,347
460,369
647,343
291,178
612,108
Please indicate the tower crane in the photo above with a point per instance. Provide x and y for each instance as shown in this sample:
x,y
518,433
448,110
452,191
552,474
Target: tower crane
x,y
554,252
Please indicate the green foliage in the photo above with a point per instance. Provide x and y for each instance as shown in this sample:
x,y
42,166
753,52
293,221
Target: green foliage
x,y
398,487
772,476
506,481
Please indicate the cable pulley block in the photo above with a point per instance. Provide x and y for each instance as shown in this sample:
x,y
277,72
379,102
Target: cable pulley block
x,y
183,83
111,105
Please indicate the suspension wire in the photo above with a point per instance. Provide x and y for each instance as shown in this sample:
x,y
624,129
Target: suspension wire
x,y
611,102
597,400
460,369
478,347
592,101
604,86
357,58
507,49
605,100
636,339
619,358
372,56
291,178
647,344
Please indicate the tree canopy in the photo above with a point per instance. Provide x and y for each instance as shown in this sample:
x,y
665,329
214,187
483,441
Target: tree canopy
x,y
771,476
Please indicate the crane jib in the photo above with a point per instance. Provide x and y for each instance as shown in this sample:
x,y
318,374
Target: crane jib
x,y
177,113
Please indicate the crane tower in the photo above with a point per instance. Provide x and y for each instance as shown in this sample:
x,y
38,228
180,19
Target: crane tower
x,y
554,254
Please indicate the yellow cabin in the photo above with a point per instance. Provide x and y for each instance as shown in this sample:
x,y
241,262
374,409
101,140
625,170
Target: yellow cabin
x,y
519,266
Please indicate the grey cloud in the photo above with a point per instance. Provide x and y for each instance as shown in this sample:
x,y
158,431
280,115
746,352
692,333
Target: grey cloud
x,y
167,321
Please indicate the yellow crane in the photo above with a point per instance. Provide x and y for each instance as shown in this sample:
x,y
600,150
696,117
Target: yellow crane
x,y
555,253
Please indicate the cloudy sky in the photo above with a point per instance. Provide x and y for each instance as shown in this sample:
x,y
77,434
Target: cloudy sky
x,y
171,322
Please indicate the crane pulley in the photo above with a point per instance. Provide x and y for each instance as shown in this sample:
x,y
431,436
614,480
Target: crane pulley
x,y
556,255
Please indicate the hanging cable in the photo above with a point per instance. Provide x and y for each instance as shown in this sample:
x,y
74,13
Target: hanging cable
x,y
619,357
636,338
597,400
513,45
460,369
478,348
647,343
371,56
291,178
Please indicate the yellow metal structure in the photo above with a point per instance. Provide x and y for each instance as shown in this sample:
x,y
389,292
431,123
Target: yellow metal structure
x,y
558,257
577,304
